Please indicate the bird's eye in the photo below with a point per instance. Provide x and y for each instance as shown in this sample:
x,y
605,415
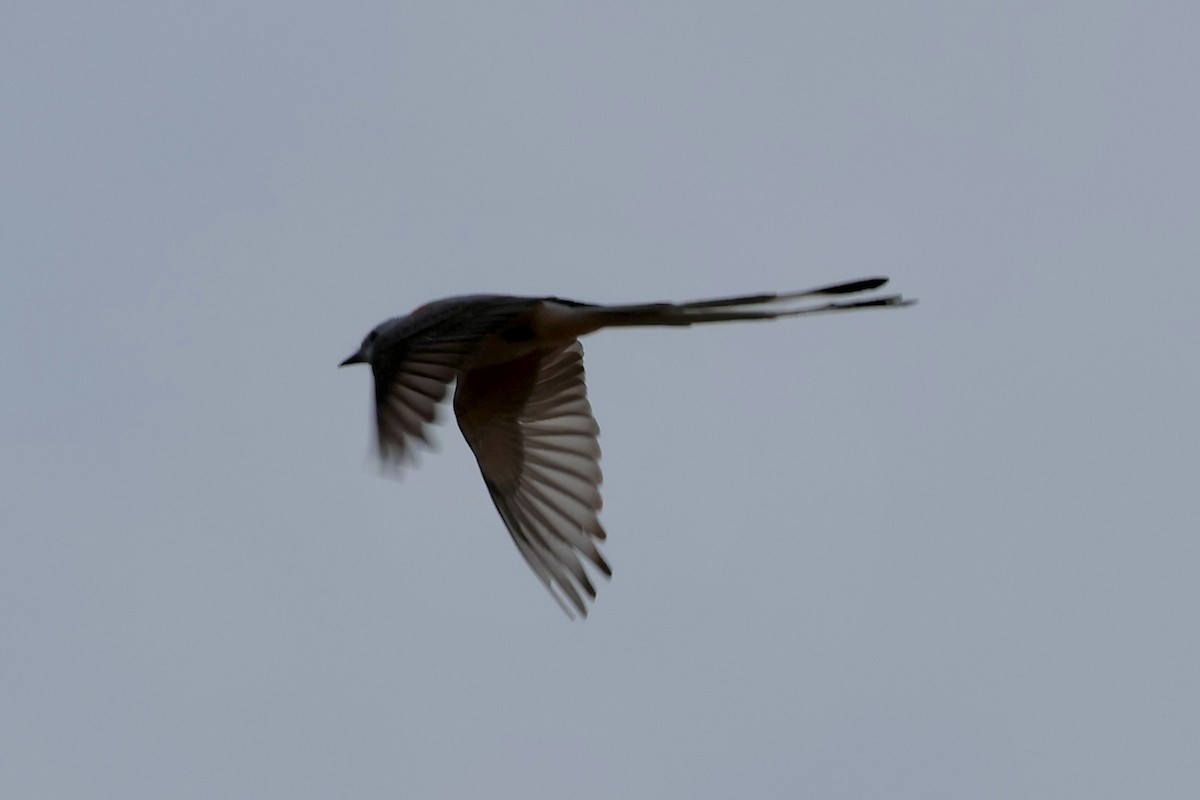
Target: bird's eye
x,y
372,336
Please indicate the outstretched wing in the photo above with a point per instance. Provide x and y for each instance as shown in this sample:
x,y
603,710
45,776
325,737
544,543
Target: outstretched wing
x,y
531,428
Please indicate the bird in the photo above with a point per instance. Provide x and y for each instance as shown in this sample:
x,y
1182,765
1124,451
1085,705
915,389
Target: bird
x,y
522,406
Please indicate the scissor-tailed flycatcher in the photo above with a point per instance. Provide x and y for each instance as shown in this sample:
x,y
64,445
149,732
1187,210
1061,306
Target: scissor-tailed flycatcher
x,y
522,404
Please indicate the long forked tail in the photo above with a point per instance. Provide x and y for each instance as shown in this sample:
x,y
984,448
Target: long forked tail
x,y
745,308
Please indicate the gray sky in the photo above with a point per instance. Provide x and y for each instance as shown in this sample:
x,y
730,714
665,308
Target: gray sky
x,y
947,551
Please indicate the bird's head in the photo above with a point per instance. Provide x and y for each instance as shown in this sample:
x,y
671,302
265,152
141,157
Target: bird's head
x,y
366,350
383,338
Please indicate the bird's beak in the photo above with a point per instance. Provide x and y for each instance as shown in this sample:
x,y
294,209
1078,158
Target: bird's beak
x,y
357,358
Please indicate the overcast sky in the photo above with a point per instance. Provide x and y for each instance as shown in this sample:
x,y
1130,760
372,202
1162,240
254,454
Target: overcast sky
x,y
943,551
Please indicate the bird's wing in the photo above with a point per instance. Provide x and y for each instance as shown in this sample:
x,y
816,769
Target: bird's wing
x,y
411,376
531,428
407,393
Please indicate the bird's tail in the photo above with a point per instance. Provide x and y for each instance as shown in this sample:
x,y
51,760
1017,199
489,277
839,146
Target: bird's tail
x,y
747,307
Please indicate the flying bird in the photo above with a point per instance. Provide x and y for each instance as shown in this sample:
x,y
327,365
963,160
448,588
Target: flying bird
x,y
522,405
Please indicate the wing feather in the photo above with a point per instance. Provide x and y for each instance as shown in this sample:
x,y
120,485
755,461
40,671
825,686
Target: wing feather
x,y
531,428
413,373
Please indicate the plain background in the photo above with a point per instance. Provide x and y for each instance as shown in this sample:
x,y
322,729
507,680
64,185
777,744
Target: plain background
x,y
946,551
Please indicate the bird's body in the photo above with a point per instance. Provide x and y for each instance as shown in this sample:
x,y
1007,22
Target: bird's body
x,y
522,405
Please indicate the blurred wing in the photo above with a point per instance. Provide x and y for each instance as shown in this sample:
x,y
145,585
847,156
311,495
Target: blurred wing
x,y
407,393
531,428
411,376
